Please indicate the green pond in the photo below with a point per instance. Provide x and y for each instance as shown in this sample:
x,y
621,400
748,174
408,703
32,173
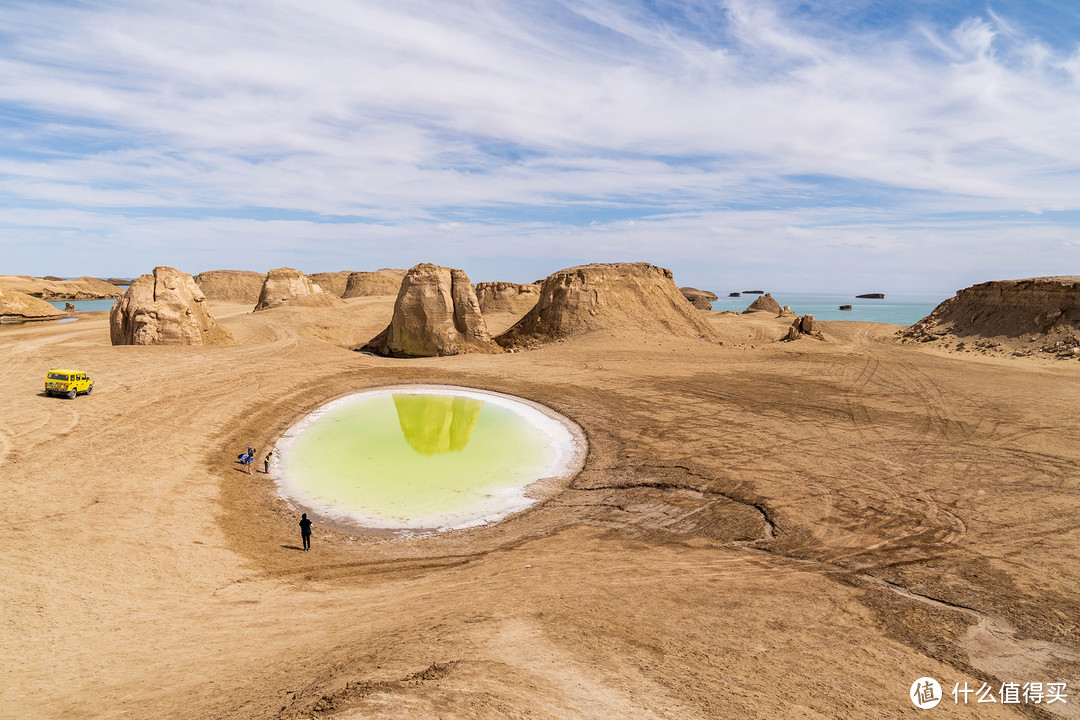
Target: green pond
x,y
423,459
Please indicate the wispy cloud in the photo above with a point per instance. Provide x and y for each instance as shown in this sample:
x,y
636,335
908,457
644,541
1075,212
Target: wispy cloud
x,y
531,123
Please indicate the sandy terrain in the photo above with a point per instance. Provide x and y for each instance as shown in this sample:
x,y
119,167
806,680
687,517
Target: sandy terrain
x,y
761,530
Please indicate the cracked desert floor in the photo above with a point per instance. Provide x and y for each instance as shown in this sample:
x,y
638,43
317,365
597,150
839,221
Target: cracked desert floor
x,y
761,530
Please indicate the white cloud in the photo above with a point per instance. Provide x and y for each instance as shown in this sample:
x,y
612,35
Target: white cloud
x,y
435,115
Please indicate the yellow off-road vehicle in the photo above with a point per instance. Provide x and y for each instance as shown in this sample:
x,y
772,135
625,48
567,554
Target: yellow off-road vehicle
x,y
68,382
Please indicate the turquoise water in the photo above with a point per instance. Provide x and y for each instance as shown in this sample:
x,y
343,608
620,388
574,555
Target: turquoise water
x,y
898,309
419,460
84,305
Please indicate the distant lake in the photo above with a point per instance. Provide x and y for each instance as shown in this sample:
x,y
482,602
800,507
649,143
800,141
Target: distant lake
x,y
85,305
896,308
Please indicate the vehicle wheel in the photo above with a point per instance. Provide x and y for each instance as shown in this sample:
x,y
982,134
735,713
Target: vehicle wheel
x,y
89,389
71,395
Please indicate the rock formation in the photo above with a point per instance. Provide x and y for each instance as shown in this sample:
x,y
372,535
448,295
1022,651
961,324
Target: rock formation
x,y
618,297
735,294
166,308
753,292
701,299
82,288
69,306
1023,316
17,307
231,286
872,296
332,282
386,281
285,286
436,313
764,303
802,327
846,307
786,311
508,297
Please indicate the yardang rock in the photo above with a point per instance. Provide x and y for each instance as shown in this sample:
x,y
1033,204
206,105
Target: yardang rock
x,y
436,313
285,286
17,307
231,286
617,297
386,281
166,308
764,303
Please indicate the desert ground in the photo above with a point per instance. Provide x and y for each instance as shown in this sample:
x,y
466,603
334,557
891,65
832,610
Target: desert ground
x,y
761,530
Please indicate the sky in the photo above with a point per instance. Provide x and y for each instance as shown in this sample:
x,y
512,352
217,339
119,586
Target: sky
x,y
806,145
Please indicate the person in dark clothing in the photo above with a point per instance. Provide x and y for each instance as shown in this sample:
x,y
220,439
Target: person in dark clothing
x,y
305,531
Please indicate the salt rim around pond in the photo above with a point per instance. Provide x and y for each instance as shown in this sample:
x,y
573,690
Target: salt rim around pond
x,y
564,450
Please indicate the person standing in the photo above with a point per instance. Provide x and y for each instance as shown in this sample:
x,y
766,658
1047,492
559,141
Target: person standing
x,y
266,463
305,531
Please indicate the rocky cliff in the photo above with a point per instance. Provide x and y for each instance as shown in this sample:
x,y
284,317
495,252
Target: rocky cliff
x,y
1017,316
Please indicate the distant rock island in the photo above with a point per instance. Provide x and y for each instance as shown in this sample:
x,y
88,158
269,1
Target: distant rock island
x,y
734,294
871,296
753,292
701,299
846,307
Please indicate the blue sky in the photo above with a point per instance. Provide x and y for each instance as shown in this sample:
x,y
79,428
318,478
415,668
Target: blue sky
x,y
802,145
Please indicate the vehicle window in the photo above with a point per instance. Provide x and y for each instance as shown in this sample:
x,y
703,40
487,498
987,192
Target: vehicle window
x,y
57,376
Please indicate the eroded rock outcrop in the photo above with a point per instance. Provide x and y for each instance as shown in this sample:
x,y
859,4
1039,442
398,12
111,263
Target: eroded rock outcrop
x,y
332,282
166,308
386,281
18,307
507,297
701,299
52,287
285,286
436,313
635,298
765,303
805,326
1017,316
231,286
